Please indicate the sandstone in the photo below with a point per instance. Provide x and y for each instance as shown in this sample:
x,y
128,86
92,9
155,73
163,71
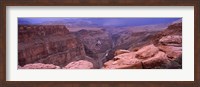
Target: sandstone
x,y
29,33
39,66
174,54
124,56
158,61
124,61
121,51
81,64
171,39
49,44
171,51
147,51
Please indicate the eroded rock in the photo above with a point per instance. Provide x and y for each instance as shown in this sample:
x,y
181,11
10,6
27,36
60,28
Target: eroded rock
x,y
121,51
49,44
171,51
39,66
171,39
124,61
160,60
164,52
147,51
81,64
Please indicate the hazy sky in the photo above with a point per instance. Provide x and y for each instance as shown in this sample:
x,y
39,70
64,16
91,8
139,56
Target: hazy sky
x,y
102,21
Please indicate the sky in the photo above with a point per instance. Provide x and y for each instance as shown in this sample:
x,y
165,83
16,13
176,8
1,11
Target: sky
x,y
102,21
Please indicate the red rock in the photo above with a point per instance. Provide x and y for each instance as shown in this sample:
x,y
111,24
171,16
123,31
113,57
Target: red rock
x,y
125,56
147,51
28,33
177,39
174,54
39,66
124,61
158,61
81,64
120,51
49,44
171,51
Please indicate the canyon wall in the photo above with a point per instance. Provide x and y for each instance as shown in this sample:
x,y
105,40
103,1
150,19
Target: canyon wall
x,y
97,41
49,44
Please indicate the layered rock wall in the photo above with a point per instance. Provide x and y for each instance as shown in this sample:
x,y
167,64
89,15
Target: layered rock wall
x,y
49,44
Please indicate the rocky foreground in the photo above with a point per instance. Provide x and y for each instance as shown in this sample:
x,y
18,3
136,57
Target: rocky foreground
x,y
81,64
49,44
164,51
54,47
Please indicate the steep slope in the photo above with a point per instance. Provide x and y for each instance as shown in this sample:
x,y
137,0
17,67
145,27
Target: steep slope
x,y
48,44
136,36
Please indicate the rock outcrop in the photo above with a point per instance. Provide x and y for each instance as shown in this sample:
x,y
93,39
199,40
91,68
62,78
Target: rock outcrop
x,y
48,44
39,66
158,61
124,61
81,64
171,40
121,51
147,51
163,51
55,47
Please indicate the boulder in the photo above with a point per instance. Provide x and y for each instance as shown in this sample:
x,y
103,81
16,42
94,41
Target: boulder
x,y
158,61
124,61
39,66
147,51
81,64
171,51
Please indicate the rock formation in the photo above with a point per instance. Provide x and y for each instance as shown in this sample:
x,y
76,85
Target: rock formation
x,y
81,64
124,61
164,50
39,66
121,51
55,47
49,44
147,51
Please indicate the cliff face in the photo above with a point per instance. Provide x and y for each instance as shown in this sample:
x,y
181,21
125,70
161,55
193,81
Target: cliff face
x,y
28,33
163,50
49,44
127,39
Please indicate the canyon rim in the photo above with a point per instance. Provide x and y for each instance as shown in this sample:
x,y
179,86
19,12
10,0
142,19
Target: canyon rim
x,y
99,43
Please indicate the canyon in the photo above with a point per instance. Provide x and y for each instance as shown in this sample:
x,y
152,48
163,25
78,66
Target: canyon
x,y
48,46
